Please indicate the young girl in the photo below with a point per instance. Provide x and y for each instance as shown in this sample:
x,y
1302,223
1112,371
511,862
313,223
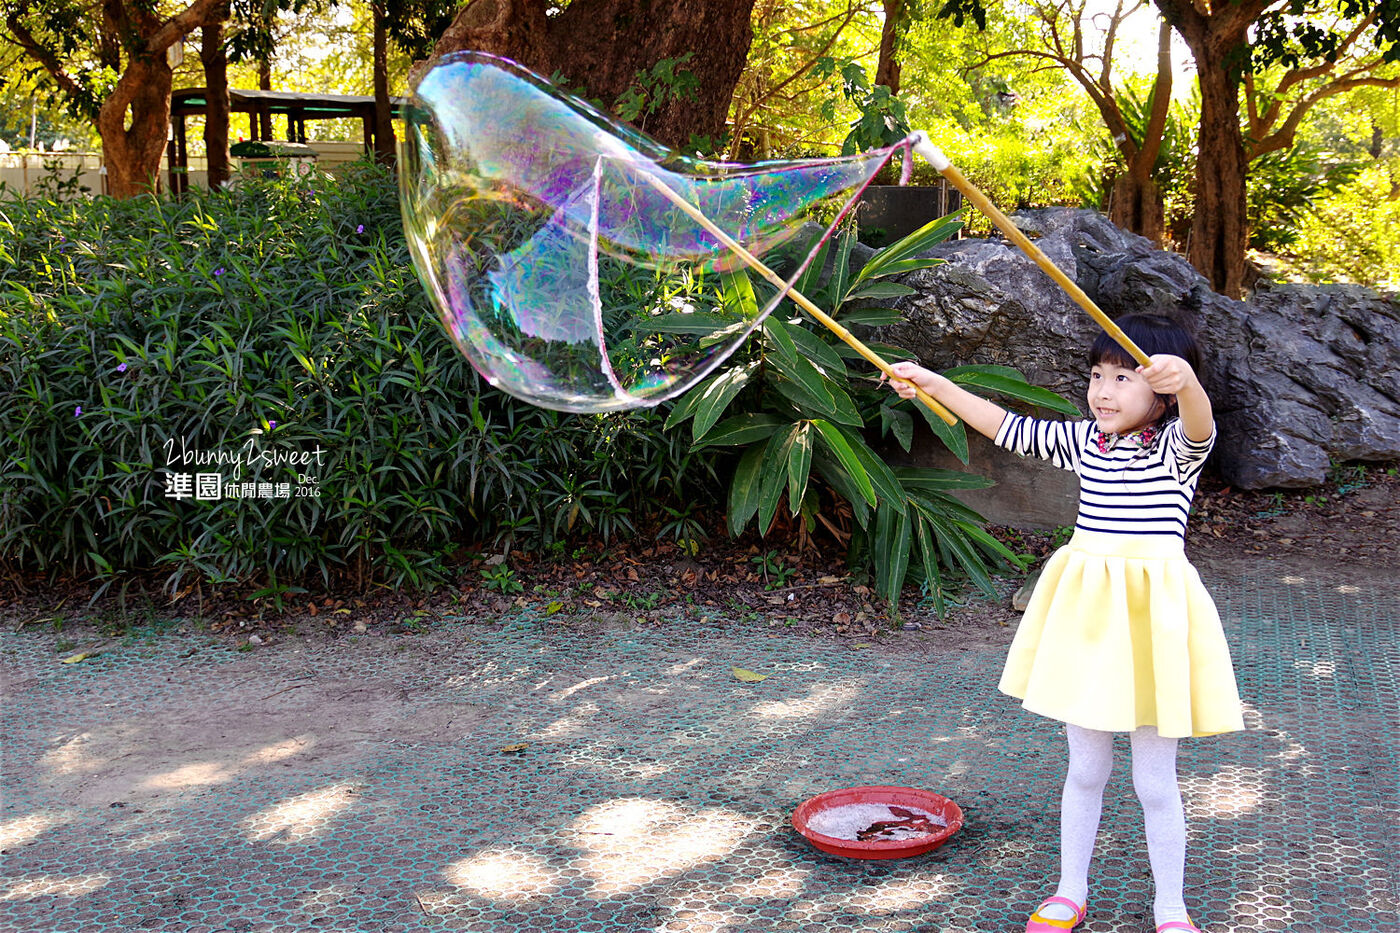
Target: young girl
x,y
1120,635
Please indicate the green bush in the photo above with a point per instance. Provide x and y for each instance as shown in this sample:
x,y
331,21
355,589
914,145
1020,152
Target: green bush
x,y
276,336
279,325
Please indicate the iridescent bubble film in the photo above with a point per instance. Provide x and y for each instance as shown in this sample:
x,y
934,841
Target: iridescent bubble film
x,y
554,243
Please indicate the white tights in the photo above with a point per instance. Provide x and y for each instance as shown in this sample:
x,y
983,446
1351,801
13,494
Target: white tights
x,y
1154,781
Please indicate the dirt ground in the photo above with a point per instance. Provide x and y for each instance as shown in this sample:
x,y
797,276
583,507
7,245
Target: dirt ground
x,y
1351,526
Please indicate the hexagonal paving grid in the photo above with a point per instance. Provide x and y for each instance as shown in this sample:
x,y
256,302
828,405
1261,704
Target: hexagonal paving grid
x,y
654,790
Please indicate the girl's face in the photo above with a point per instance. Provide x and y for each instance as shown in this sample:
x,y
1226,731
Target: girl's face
x,y
1120,399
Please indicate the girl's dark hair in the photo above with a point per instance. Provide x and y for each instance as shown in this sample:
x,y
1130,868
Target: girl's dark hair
x,y
1153,333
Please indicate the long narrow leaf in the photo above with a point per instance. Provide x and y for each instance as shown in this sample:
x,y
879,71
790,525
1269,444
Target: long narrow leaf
x,y
742,429
887,487
931,479
773,475
891,552
1010,383
953,436
836,442
799,465
717,395
928,559
926,237
743,489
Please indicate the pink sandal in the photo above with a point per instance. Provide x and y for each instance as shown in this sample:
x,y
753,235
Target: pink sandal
x,y
1184,925
1039,924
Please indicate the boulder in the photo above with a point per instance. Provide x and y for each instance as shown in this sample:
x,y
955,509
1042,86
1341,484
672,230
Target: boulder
x,y
1300,376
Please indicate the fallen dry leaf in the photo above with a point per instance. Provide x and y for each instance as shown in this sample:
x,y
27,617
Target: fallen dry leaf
x,y
748,677
518,747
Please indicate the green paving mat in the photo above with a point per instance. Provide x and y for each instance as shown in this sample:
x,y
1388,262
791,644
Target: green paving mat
x,y
655,790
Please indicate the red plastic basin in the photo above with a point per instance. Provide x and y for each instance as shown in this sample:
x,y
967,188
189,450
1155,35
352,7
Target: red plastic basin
x,y
884,848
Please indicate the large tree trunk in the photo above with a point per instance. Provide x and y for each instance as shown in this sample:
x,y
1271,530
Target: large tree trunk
x,y
1217,38
888,69
383,107
132,155
215,60
1137,204
1219,229
602,44
264,118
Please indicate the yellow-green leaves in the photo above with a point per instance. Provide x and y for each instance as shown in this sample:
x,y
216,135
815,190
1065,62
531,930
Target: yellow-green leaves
x,y
747,676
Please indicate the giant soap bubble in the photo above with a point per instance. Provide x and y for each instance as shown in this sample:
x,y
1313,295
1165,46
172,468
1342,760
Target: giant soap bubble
x,y
582,266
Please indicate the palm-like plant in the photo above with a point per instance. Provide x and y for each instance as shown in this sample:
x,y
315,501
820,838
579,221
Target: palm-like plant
x,y
803,422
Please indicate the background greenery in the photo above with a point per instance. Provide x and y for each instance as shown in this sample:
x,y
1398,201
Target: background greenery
x,y
283,318
286,316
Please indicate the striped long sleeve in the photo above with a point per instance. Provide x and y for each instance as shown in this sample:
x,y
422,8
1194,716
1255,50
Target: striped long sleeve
x,y
1127,490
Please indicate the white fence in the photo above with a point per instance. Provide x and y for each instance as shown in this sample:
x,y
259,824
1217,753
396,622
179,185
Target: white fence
x,y
41,172
52,172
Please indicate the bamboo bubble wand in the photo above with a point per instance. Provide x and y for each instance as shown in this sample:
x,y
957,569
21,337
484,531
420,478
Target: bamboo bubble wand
x,y
800,299
948,170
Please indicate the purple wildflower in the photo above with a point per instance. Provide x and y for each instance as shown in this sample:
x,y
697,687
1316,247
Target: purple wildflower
x,y
360,228
121,367
78,412
271,425
219,271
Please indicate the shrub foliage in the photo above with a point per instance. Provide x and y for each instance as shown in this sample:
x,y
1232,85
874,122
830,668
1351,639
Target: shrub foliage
x,y
275,337
278,327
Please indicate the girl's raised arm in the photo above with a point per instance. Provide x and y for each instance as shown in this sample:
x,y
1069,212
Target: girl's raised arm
x,y
981,415
1171,375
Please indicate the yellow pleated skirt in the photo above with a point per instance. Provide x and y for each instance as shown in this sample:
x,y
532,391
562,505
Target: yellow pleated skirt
x,y
1121,633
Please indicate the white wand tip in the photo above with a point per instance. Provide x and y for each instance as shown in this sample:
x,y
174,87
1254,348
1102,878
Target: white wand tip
x,y
931,153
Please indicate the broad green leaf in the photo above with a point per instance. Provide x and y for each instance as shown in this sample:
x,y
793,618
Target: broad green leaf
x,y
841,267
718,393
928,558
953,436
742,429
818,351
802,373
836,442
881,290
887,486
799,466
930,234
807,282
1010,383
900,423
911,265
945,505
952,535
689,403
697,323
777,333
871,317
838,479
836,406
891,552
739,297
931,479
774,475
743,489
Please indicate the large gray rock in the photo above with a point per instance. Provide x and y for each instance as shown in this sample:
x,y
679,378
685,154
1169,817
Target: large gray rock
x,y
1299,375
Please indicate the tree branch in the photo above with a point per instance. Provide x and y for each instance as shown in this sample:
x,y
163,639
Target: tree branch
x,y
46,57
1283,137
200,13
811,62
1161,99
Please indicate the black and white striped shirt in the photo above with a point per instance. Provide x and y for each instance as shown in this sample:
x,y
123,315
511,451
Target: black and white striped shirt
x,y
1129,490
